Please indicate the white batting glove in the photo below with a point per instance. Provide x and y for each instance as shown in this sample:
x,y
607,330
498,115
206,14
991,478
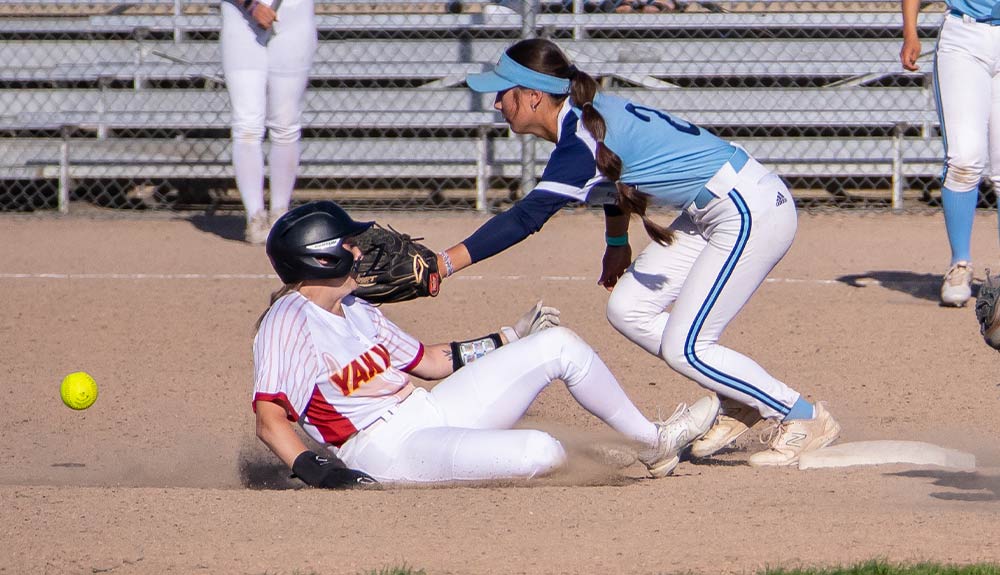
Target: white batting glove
x,y
539,317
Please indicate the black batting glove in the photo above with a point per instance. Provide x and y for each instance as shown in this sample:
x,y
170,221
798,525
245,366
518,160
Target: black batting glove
x,y
329,473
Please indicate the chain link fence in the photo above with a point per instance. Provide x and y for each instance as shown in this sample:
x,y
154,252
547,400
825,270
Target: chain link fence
x,y
123,105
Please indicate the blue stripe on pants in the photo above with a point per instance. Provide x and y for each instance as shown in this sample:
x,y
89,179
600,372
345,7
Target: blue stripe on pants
x,y
706,307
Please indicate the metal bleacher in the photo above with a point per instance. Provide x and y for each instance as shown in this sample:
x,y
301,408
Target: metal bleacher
x,y
94,92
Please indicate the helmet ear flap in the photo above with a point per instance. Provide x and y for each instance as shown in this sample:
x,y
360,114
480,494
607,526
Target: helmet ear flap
x,y
340,261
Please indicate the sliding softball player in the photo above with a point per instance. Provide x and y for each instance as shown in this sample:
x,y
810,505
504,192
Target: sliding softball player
x,y
267,51
337,366
967,86
738,220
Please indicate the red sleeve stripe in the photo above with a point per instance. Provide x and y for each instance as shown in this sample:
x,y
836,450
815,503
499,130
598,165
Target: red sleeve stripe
x,y
278,398
416,359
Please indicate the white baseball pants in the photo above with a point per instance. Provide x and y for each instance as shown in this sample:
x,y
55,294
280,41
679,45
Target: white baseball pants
x,y
720,255
266,77
461,429
967,81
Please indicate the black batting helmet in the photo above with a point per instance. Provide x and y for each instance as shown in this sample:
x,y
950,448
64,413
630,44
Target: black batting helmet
x,y
310,231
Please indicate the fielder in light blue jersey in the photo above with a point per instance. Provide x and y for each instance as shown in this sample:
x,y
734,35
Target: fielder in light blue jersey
x,y
967,87
737,221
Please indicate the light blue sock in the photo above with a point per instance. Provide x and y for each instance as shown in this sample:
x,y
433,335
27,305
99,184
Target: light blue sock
x,y
801,410
959,211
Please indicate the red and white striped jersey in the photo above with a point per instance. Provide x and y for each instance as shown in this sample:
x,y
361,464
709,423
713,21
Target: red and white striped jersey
x,y
333,375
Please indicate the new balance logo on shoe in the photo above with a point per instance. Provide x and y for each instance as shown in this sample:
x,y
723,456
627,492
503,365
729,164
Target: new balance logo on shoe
x,y
781,199
796,439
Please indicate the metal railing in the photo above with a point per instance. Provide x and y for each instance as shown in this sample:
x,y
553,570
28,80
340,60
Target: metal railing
x,y
124,105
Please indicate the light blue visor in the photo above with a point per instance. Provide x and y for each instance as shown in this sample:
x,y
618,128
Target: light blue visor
x,y
508,73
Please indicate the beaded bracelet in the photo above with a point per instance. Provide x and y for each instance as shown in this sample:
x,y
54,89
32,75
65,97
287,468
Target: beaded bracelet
x,y
449,268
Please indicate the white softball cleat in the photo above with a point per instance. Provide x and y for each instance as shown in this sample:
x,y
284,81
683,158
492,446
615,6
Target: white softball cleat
x,y
793,438
257,229
734,420
957,287
684,426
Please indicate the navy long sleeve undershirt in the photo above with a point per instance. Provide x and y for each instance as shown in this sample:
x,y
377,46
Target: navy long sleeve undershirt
x,y
524,218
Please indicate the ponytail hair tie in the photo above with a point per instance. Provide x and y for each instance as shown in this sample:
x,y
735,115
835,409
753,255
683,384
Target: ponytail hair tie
x,y
587,105
572,71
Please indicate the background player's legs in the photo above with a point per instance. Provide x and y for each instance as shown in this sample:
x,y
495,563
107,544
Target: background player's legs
x,y
963,86
244,63
291,54
247,92
994,131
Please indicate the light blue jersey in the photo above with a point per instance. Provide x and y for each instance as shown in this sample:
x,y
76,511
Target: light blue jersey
x,y
663,156
981,10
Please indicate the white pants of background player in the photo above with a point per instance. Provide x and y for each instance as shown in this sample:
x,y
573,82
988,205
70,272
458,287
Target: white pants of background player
x,y
266,77
460,429
720,255
968,81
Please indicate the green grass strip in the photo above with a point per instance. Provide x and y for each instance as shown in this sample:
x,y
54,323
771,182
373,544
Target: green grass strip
x,y
874,567
877,567
404,570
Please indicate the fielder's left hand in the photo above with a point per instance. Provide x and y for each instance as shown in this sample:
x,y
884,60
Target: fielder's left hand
x,y
616,261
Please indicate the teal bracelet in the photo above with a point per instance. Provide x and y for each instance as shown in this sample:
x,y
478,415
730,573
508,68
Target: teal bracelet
x,y
617,241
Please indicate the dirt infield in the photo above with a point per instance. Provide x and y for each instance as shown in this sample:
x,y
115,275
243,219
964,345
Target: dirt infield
x,y
153,478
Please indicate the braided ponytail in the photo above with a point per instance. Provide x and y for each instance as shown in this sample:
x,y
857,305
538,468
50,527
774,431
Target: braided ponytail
x,y
583,88
544,56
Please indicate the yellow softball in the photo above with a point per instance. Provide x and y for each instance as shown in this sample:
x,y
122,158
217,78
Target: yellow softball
x,y
78,390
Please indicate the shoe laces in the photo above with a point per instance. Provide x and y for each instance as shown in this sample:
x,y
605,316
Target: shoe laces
x,y
959,273
660,421
662,425
771,434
